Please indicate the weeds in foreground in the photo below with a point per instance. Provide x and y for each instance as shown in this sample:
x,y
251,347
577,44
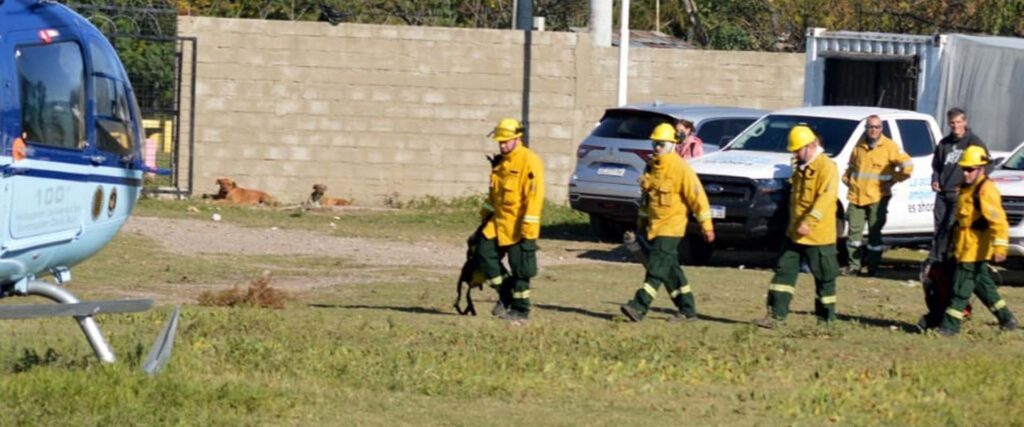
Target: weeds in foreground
x,y
259,294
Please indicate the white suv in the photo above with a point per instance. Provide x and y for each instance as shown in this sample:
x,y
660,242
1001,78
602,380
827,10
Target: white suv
x,y
1009,178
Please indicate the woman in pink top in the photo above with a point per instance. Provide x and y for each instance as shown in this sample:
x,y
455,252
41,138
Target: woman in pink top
x,y
689,146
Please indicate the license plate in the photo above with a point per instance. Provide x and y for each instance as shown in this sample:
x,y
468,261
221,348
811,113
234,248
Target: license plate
x,y
611,171
717,212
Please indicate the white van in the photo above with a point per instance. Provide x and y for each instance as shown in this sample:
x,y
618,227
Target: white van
x,y
747,181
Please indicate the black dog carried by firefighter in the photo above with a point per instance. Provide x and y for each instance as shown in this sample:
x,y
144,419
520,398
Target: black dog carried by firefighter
x,y
511,223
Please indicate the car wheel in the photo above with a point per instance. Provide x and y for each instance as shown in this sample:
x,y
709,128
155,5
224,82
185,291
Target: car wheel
x,y
605,229
693,250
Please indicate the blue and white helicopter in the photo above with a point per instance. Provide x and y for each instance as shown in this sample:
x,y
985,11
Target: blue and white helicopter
x,y
70,168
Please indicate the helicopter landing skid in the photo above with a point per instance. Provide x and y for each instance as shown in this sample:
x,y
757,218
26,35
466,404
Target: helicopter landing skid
x,y
83,312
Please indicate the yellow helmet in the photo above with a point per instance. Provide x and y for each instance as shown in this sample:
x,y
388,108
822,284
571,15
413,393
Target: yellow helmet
x,y
507,129
973,156
799,137
664,132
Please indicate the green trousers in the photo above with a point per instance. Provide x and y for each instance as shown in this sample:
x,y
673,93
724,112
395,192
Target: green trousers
x,y
973,278
824,268
874,217
513,289
663,269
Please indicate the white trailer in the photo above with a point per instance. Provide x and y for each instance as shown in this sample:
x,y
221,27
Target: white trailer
x,y
928,74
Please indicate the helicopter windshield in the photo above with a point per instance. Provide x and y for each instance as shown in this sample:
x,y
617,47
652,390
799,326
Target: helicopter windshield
x,y
52,85
113,114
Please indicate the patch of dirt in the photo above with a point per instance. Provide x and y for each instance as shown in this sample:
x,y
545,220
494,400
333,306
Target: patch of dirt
x,y
376,258
191,236
188,236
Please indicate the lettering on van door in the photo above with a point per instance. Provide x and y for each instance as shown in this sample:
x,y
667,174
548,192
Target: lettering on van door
x,y
921,198
42,209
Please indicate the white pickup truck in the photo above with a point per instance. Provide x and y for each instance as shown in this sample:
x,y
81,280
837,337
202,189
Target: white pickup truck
x,y
1009,178
747,185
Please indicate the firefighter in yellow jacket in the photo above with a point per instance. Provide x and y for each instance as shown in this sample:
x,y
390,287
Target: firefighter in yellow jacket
x,y
812,231
982,234
876,164
511,218
671,191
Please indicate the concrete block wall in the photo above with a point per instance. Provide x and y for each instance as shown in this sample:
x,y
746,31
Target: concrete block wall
x,y
397,112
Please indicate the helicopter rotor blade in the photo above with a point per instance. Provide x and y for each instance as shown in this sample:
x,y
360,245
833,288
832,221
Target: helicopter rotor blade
x,y
160,353
78,309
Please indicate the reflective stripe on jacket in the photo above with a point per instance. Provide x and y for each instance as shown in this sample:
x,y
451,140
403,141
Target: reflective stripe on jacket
x,y
516,198
872,171
974,244
812,200
672,190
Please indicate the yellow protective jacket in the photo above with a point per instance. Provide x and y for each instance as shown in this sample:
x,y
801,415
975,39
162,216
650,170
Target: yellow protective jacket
x,y
873,171
980,242
813,199
516,198
671,190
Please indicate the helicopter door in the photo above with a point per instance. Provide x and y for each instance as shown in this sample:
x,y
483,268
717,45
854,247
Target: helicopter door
x,y
116,144
46,203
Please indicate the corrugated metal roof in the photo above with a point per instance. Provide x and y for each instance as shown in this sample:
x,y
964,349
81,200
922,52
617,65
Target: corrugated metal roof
x,y
867,43
652,39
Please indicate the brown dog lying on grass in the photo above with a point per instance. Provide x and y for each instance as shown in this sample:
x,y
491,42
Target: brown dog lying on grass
x,y
318,199
230,192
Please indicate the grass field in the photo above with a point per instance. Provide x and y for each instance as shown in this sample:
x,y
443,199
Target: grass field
x,y
393,352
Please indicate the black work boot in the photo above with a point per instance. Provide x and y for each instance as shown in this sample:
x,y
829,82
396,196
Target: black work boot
x,y
631,313
499,309
515,317
946,332
1010,325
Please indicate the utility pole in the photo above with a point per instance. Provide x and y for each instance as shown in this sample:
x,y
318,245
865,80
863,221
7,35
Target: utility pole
x,y
657,16
623,52
601,22
524,22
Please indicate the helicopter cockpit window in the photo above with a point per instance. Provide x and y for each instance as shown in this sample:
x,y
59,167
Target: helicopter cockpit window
x,y
51,80
113,116
103,62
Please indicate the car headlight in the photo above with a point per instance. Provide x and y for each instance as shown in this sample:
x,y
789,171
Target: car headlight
x,y
772,185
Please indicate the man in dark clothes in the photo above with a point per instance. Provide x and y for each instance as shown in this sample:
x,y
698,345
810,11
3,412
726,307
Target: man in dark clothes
x,y
947,177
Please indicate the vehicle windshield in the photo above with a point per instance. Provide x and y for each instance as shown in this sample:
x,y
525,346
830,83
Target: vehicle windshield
x,y
1016,161
771,133
628,124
